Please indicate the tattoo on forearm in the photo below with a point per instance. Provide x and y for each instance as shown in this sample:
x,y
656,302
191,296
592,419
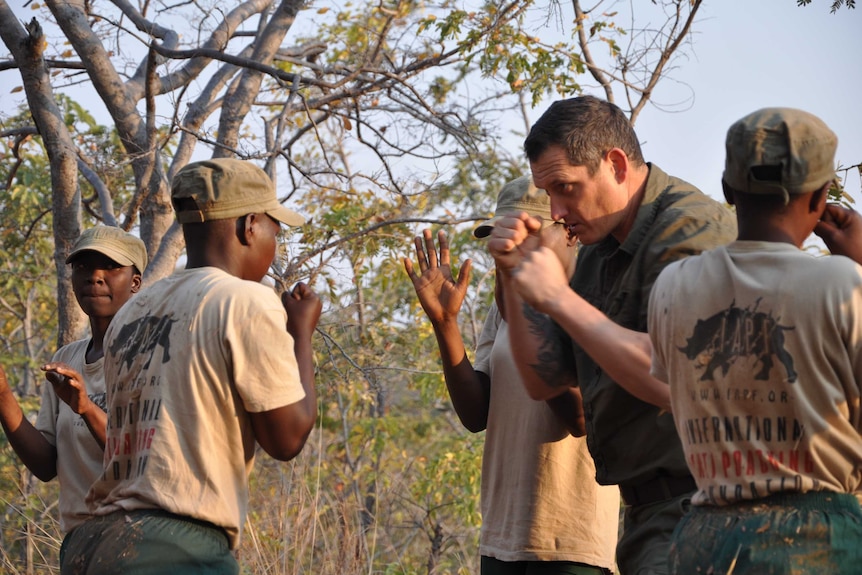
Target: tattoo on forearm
x,y
550,353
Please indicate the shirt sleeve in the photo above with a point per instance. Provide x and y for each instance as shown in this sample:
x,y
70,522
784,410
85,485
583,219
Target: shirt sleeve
x,y
656,323
684,232
265,371
486,340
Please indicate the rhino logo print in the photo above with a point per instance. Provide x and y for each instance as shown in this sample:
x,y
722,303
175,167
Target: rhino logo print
x,y
720,340
141,338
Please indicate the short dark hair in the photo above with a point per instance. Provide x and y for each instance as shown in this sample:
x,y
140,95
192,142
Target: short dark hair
x,y
587,128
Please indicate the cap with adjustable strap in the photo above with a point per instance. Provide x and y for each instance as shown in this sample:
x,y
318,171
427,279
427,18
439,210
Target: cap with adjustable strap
x,y
779,151
225,188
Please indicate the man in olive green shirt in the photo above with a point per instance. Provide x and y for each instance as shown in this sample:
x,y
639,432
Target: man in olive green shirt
x,y
633,220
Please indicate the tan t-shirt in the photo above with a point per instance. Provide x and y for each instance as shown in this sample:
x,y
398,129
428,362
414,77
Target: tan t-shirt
x,y
79,457
186,361
762,346
540,500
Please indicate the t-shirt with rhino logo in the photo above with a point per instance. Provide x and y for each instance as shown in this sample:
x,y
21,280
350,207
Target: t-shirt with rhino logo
x,y
141,337
761,343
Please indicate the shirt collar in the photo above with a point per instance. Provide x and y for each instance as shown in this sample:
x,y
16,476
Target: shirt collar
x,y
657,183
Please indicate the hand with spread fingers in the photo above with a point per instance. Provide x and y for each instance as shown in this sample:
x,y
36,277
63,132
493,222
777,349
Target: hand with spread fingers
x,y
439,293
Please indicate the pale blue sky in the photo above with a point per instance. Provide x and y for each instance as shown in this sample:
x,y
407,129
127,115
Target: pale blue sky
x,y
753,54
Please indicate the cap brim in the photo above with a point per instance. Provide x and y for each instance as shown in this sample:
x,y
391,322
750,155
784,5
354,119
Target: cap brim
x,y
286,216
485,228
105,251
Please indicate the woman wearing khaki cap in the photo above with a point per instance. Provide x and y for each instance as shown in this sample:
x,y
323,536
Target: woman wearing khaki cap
x,y
67,440
542,510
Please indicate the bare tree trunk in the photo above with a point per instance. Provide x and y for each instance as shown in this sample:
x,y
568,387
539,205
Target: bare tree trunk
x,y
153,196
27,48
26,478
237,104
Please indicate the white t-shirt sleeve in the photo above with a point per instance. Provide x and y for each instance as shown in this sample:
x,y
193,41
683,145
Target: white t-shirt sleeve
x,y
486,340
657,317
265,371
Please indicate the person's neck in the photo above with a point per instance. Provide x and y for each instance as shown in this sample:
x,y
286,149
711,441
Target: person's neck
x,y
98,327
637,183
766,231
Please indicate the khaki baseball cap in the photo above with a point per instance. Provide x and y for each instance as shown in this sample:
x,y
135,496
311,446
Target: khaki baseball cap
x,y
519,195
779,151
225,188
120,246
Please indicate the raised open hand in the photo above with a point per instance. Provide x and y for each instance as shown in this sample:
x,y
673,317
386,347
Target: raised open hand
x,y
440,295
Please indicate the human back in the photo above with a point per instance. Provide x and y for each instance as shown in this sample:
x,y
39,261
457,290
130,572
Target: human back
x,y
773,360
764,369
179,334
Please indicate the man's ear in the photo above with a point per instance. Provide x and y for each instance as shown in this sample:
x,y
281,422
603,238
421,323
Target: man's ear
x,y
728,193
819,198
136,281
245,229
620,164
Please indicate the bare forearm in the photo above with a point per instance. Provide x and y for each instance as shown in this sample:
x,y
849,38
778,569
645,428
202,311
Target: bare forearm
x,y
32,448
542,362
97,422
468,390
282,431
305,362
624,354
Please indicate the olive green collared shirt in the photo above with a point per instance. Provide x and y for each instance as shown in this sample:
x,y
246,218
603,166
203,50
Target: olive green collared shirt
x,y
630,440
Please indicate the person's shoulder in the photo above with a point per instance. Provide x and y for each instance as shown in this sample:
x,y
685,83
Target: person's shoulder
x,y
664,182
677,270
211,280
203,289
677,197
72,350
836,267
244,294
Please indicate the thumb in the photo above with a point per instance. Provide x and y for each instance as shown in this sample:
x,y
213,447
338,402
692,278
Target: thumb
x,y
533,241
